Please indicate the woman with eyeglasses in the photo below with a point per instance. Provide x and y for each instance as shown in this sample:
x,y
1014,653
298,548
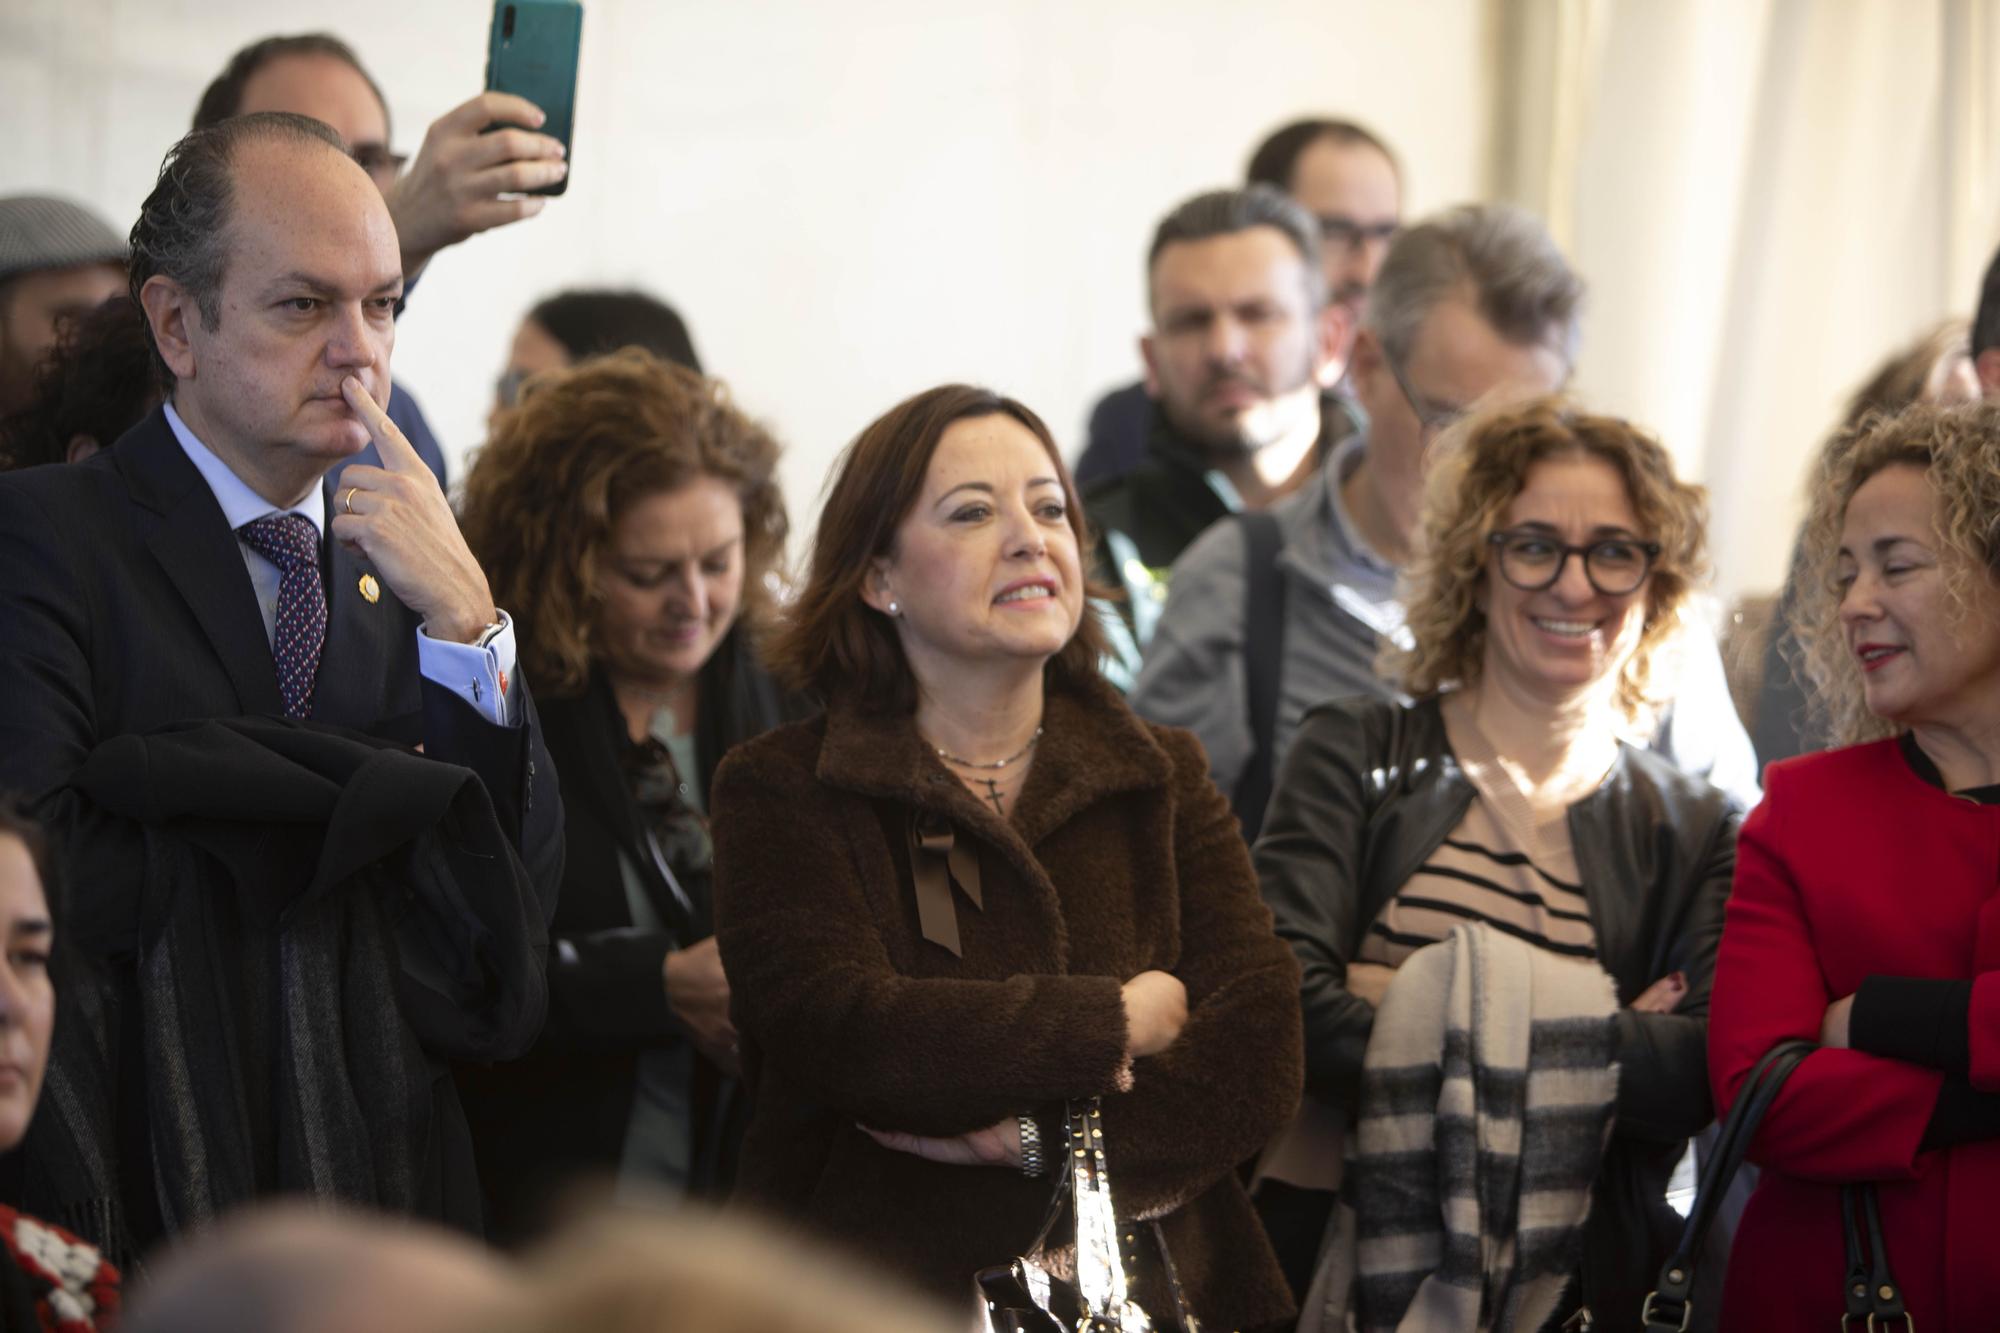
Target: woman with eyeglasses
x,y
1556,556
632,514
576,325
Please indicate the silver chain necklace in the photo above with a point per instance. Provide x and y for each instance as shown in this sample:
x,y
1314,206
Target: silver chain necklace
x,y
951,758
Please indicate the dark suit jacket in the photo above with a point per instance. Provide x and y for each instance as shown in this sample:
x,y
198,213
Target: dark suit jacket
x,y
125,607
541,1122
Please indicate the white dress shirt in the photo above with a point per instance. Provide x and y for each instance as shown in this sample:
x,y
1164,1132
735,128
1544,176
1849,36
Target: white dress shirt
x,y
474,673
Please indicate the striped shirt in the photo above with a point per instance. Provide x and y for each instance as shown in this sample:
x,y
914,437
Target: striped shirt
x,y
1499,865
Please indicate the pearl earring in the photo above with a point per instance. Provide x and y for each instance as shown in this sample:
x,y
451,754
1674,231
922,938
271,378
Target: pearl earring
x,y
895,610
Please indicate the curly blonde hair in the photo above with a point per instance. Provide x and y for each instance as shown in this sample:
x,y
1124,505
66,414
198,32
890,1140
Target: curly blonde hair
x,y
563,466
1484,464
1959,449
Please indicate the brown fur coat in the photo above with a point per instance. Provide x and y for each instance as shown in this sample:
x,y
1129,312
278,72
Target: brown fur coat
x,y
1120,856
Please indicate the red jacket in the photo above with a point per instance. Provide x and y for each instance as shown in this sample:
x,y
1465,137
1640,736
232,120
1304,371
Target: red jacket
x,y
1853,865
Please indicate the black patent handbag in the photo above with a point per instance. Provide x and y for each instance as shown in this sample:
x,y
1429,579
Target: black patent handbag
x,y
1872,1295
1023,1296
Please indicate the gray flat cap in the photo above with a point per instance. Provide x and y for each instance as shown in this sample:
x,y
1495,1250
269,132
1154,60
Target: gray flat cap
x,y
37,232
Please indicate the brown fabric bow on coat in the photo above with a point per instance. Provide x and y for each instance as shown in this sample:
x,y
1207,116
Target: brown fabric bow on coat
x,y
938,859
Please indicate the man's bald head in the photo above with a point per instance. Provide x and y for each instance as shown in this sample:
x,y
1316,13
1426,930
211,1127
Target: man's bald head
x,y
182,231
267,265
300,1269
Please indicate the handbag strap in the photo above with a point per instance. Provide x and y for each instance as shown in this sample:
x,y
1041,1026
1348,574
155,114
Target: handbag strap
x,y
1669,1307
1263,660
1872,1293
1106,1255
1185,1311
1058,1199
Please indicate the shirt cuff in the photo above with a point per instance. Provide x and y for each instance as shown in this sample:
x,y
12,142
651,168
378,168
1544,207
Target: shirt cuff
x,y
1915,1019
483,676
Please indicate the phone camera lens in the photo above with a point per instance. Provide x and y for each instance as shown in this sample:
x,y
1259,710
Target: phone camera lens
x,y
507,24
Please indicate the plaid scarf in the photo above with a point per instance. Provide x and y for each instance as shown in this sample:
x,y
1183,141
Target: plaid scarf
x,y
1486,1102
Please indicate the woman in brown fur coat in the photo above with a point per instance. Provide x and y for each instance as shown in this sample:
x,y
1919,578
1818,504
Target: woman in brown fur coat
x,y
979,886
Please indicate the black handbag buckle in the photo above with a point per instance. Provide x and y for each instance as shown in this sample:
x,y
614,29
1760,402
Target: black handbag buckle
x,y
1658,1322
1675,1285
1872,1289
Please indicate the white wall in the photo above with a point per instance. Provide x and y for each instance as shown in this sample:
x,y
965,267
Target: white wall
x,y
848,202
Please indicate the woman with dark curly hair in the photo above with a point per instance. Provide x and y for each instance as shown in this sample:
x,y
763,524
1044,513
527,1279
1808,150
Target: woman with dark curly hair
x,y
1557,553
98,383
1864,915
631,515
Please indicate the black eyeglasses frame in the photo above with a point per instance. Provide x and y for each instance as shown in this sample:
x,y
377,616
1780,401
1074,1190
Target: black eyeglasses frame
x,y
1345,232
1498,541
1432,422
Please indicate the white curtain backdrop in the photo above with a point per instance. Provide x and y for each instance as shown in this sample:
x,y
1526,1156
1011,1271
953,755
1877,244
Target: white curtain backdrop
x,y
1768,196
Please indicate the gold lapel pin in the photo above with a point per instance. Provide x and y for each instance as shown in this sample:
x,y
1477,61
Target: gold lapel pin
x,y
371,591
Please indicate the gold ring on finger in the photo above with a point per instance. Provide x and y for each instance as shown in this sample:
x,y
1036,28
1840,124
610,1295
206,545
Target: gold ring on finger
x,y
347,505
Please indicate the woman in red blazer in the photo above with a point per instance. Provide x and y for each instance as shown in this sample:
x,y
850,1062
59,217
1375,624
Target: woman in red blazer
x,y
1865,914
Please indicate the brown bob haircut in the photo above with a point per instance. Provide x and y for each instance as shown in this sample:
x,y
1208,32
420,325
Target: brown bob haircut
x,y
1484,464
565,464
832,644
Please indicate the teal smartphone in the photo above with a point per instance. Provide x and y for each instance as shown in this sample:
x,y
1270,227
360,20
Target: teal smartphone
x,y
532,53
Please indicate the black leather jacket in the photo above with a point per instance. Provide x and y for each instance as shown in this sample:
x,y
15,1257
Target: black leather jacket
x,y
1370,789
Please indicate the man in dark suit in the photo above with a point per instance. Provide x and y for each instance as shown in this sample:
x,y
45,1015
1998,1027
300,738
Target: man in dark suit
x,y
200,569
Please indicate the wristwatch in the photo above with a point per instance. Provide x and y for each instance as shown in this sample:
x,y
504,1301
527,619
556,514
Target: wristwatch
x,y
1032,1162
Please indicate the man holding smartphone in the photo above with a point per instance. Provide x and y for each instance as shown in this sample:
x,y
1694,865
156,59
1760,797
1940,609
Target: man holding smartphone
x,y
462,181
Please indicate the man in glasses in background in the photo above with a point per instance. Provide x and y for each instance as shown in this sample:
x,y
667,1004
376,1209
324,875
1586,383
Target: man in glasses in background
x,y
1348,179
452,191
1343,175
1273,613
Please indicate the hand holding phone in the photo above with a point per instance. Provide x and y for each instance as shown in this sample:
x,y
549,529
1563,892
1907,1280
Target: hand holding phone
x,y
532,53
465,180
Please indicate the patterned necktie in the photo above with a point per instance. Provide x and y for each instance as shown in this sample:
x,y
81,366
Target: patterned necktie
x,y
291,542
